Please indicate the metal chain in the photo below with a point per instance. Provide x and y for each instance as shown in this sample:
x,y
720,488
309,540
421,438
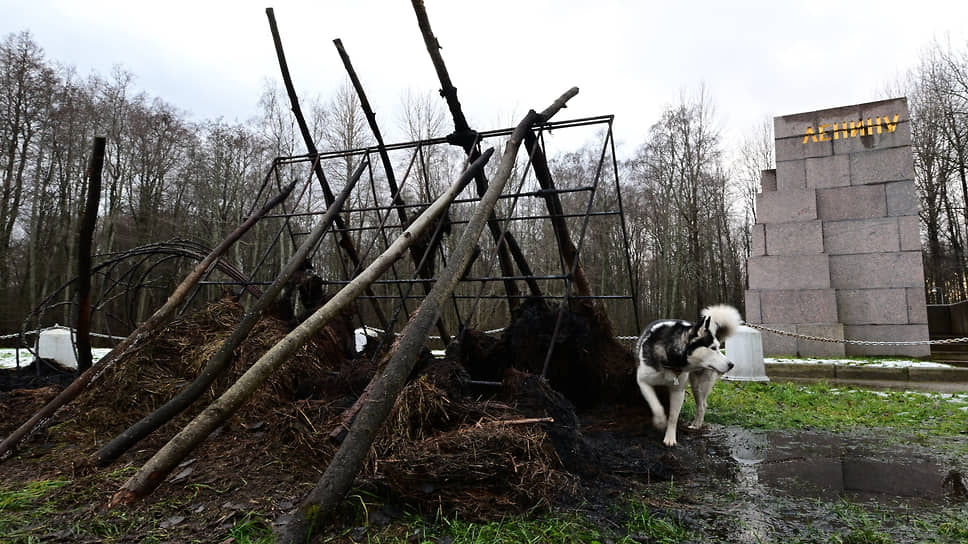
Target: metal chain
x,y
857,342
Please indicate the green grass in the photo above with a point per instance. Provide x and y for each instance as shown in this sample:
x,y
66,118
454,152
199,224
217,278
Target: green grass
x,y
25,506
252,529
790,406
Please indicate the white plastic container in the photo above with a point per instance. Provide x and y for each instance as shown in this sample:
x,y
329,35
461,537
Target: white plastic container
x,y
745,350
56,343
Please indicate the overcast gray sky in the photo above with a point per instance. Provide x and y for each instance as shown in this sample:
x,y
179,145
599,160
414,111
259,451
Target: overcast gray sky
x,y
629,58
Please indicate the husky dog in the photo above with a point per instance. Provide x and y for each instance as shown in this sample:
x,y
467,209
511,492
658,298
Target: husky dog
x,y
671,351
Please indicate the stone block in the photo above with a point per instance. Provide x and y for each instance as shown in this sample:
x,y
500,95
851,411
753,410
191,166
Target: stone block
x,y
795,125
873,235
768,180
816,348
818,371
888,333
881,166
917,305
786,206
758,240
794,238
899,137
789,272
753,314
791,175
789,149
909,230
898,269
872,306
887,107
779,344
851,202
902,198
870,373
831,171
798,306
938,374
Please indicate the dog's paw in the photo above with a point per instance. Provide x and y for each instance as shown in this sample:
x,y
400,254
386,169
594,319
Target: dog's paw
x,y
659,421
694,426
670,441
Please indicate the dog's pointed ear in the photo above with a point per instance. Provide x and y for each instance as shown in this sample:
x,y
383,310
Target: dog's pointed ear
x,y
700,327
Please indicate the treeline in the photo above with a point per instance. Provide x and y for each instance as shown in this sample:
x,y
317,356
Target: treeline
x,y
937,91
687,195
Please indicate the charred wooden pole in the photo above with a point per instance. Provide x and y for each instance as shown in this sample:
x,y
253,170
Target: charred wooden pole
x,y
387,384
139,336
467,139
421,247
345,240
214,367
85,244
566,248
158,467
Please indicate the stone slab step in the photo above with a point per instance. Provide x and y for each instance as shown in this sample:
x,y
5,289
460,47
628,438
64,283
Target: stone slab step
x,y
862,372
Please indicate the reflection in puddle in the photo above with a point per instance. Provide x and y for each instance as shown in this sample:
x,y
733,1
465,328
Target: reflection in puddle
x,y
808,465
830,467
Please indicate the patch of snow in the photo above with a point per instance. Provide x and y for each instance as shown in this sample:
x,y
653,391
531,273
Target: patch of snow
x,y
8,356
885,363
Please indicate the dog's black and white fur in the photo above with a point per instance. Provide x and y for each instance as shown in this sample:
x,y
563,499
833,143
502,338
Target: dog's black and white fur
x,y
672,351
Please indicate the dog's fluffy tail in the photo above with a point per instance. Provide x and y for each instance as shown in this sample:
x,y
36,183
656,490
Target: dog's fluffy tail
x,y
724,320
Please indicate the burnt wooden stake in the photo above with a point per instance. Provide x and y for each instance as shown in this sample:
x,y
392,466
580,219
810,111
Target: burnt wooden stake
x,y
467,139
345,240
85,245
420,248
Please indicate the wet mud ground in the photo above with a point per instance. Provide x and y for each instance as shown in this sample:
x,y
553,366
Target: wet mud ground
x,y
721,484
751,486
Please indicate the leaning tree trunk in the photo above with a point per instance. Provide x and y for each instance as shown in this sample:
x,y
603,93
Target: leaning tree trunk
x,y
155,470
387,384
214,367
139,336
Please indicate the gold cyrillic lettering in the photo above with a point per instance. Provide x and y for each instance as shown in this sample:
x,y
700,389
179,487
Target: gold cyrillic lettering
x,y
808,134
823,137
856,128
891,127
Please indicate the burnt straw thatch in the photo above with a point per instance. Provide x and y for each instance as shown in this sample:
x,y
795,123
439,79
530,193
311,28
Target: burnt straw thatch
x,y
448,444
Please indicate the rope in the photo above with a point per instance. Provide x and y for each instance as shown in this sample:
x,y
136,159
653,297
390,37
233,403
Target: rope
x,y
857,342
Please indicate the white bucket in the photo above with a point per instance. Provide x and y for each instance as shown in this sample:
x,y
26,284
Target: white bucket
x,y
745,350
56,343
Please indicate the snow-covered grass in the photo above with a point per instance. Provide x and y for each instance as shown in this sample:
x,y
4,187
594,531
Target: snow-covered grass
x,y
883,362
8,356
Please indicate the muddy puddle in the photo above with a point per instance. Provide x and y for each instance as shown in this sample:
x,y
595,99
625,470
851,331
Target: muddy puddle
x,y
761,486
831,467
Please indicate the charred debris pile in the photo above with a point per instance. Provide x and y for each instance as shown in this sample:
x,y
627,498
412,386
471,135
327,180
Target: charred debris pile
x,y
489,426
